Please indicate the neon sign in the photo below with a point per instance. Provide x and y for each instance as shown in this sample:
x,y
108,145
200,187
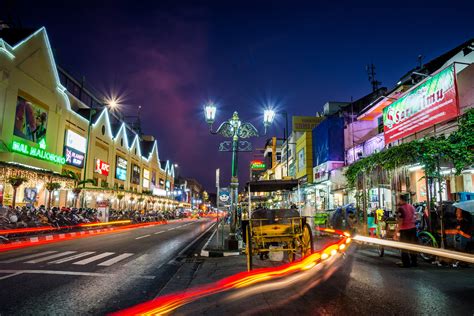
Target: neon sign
x,y
257,165
38,153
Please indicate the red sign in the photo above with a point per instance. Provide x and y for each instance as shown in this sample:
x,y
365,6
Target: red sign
x,y
430,103
101,167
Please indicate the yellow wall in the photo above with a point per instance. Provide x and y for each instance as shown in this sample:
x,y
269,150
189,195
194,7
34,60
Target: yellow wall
x,y
304,166
28,70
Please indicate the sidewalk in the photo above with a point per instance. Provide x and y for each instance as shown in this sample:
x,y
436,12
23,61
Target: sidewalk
x,y
215,245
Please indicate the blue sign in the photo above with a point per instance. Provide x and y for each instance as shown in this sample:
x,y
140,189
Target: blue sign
x,y
224,195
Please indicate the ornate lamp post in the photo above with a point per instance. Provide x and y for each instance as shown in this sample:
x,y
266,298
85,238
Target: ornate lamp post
x,y
235,129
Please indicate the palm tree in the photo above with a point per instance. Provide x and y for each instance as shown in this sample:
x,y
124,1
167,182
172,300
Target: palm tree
x,y
15,182
77,183
51,187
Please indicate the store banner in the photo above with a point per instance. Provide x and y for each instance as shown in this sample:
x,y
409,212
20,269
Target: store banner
x,y
430,103
73,157
101,167
305,123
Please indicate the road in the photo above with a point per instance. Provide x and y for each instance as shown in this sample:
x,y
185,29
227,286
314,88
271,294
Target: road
x,y
359,283
93,275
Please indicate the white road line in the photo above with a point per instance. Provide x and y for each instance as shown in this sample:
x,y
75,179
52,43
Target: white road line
x,y
57,255
95,258
27,257
171,229
158,232
92,274
10,275
79,255
144,236
112,261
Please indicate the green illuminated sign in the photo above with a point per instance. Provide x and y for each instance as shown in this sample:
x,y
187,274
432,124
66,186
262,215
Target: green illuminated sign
x,y
257,165
38,153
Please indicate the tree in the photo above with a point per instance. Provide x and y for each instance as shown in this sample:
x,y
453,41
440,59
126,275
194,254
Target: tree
x,y
51,187
77,183
16,182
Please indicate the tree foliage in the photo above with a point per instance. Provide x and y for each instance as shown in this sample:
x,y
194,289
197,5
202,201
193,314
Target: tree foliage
x,y
457,148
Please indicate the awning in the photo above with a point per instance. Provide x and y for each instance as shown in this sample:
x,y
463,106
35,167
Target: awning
x,y
271,185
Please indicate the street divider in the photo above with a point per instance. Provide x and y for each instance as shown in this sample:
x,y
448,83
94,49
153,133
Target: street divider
x,y
444,253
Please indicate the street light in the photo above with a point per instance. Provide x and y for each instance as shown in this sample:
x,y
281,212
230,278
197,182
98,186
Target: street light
x,y
268,118
235,129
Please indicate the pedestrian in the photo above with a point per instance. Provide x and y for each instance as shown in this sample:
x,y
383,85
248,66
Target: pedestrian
x,y
406,215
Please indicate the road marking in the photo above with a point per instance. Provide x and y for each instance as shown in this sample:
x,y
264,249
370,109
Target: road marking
x,y
92,274
57,255
158,232
144,236
10,275
171,228
112,261
80,255
27,257
95,258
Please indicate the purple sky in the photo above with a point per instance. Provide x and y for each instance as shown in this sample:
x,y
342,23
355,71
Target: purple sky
x,y
171,57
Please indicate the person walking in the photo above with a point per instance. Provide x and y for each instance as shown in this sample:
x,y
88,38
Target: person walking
x,y
406,215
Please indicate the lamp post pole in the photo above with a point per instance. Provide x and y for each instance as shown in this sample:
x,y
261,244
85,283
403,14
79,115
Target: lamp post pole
x,y
234,129
91,113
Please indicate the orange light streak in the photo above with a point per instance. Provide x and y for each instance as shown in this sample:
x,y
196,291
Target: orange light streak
x,y
166,304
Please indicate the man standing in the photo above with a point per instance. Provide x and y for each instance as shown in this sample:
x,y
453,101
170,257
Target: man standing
x,y
406,225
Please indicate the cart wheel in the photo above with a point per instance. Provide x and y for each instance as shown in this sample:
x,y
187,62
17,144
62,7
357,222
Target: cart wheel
x,y
248,235
380,250
292,253
426,240
306,241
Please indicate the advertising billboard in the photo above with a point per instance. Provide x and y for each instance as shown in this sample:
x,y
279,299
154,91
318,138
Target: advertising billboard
x,y
257,165
305,123
121,168
430,103
75,141
73,157
101,167
135,174
146,178
31,121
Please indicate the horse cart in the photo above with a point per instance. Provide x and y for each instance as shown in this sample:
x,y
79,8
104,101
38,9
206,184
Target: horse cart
x,y
270,230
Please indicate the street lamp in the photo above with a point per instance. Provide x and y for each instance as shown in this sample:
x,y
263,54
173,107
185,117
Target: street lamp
x,y
268,117
235,129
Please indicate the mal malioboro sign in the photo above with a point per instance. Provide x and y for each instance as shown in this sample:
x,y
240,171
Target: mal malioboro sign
x,y
257,165
39,153
430,103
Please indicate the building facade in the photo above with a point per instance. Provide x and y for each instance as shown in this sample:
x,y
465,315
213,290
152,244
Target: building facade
x,y
47,131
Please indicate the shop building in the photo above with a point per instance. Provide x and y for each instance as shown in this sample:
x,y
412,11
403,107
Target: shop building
x,y
52,125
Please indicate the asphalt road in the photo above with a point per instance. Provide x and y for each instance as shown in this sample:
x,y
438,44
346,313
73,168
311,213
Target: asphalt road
x,y
93,275
358,283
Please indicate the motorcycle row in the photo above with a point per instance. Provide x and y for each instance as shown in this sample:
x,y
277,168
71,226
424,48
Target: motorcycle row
x,y
66,218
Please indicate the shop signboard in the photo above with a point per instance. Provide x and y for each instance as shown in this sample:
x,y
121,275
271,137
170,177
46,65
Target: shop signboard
x,y
146,178
31,120
135,174
158,192
30,195
257,165
224,195
75,141
121,168
39,153
101,167
103,210
430,103
305,123
73,157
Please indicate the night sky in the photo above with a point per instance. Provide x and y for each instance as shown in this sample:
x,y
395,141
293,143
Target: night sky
x,y
172,56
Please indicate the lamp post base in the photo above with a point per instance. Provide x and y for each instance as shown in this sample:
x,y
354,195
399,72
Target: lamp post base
x,y
231,243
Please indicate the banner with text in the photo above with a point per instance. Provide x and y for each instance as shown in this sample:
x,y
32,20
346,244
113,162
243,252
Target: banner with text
x,y
430,103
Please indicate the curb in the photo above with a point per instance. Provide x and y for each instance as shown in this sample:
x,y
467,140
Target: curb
x,y
216,253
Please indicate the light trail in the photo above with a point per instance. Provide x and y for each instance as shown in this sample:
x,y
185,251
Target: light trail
x,y
418,248
168,303
79,234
